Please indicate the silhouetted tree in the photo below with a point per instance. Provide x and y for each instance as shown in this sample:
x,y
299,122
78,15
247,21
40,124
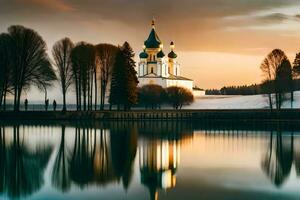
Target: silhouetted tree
x,y
105,56
151,95
30,63
269,67
179,96
62,57
5,68
296,66
283,81
83,64
123,90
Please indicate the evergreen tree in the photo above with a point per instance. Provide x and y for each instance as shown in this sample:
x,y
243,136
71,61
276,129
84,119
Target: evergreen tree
x,y
117,91
296,65
131,78
124,80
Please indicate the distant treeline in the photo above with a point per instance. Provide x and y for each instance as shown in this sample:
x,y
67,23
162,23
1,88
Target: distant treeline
x,y
247,89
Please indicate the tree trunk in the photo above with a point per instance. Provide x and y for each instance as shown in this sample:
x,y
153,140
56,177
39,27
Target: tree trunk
x,y
1,99
79,89
15,98
19,89
4,100
91,91
64,101
270,101
292,98
95,77
88,93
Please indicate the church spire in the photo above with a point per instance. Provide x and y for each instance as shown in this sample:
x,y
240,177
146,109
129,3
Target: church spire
x,y
153,23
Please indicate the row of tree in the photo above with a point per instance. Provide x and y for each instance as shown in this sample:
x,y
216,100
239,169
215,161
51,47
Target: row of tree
x,y
253,89
89,69
281,79
236,90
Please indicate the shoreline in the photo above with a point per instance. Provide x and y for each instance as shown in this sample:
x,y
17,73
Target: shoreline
x,y
288,115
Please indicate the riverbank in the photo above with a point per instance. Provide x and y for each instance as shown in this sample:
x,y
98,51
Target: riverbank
x,y
158,115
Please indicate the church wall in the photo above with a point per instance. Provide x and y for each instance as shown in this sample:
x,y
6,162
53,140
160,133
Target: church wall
x,y
156,81
181,83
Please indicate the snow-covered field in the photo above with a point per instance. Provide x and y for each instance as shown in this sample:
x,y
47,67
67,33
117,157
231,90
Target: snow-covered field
x,y
239,102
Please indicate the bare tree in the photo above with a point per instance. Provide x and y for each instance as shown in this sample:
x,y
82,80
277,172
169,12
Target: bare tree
x,y
5,68
105,58
269,67
83,63
31,65
62,57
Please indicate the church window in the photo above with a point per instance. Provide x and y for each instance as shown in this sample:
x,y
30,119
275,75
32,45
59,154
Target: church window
x,y
151,69
153,57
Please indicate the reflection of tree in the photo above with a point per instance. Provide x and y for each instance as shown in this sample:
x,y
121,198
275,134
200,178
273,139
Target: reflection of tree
x,y
60,175
278,160
3,161
102,164
81,164
297,158
123,150
23,170
100,159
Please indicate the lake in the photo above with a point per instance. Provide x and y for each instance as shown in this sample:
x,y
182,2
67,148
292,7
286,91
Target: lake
x,y
149,160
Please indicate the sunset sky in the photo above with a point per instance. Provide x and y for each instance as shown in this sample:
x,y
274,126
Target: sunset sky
x,y
219,42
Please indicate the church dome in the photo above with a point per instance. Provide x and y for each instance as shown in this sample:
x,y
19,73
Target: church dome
x,y
172,54
160,54
153,40
143,55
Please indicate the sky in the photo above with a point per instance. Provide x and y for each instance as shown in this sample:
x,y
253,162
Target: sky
x,y
218,42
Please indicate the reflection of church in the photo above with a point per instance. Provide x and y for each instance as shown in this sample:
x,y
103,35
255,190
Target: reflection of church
x,y
157,68
159,160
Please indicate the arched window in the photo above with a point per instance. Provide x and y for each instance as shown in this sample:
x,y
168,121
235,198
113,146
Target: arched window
x,y
153,57
151,69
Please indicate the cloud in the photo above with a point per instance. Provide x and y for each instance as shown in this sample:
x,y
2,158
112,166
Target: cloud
x,y
195,25
58,5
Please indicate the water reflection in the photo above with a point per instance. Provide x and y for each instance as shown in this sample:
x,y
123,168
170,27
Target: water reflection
x,y
159,152
21,168
126,158
60,175
278,159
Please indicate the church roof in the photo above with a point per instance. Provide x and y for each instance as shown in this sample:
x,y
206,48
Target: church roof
x,y
143,55
153,40
173,77
170,77
160,54
172,54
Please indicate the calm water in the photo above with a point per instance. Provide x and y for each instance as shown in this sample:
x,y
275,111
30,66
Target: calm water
x,y
147,161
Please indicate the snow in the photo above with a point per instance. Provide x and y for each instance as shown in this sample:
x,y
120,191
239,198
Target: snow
x,y
239,102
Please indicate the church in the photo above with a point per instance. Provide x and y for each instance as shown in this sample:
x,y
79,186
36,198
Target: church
x,y
155,67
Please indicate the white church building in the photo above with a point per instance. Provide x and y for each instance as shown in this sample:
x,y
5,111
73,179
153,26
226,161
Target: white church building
x,y
155,67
